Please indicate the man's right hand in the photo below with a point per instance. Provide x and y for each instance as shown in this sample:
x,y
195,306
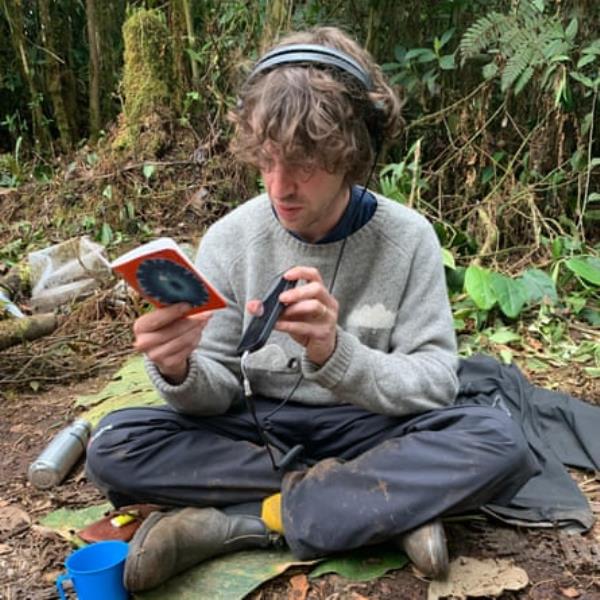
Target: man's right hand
x,y
168,338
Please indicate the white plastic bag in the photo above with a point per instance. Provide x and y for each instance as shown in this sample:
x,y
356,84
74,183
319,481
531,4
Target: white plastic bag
x,y
66,271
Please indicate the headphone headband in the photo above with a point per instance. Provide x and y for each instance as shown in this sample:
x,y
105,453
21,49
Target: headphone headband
x,y
323,56
313,54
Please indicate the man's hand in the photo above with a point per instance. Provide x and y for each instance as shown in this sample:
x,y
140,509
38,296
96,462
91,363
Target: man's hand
x,y
169,339
310,316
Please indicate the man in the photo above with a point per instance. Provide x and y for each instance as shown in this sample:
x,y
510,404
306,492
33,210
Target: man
x,y
350,436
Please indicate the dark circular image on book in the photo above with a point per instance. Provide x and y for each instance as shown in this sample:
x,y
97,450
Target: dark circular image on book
x,y
169,282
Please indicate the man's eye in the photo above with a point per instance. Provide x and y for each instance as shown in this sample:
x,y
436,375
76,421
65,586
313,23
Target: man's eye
x,y
303,170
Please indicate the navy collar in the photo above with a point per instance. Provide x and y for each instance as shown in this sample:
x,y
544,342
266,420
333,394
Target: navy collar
x,y
361,207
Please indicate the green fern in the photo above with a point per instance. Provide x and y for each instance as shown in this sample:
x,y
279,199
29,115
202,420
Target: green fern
x,y
526,40
483,33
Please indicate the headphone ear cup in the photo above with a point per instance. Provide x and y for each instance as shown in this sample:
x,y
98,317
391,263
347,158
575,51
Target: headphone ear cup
x,y
375,122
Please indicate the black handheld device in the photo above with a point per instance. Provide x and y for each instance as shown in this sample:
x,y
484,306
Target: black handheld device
x,y
259,329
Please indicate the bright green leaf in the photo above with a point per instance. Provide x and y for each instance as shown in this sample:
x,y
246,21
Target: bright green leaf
x,y
106,234
459,324
448,259
587,268
416,52
148,170
586,60
593,371
557,247
511,294
576,302
427,56
539,286
504,335
571,30
446,36
523,80
447,62
539,4
506,355
581,78
534,364
107,192
479,287
490,71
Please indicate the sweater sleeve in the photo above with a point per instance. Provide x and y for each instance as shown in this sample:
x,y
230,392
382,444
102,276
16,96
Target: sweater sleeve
x,y
419,371
213,379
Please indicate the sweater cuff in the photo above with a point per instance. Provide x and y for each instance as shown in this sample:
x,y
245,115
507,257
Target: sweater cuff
x,y
332,372
170,390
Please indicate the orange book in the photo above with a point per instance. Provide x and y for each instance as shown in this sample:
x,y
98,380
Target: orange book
x,y
161,272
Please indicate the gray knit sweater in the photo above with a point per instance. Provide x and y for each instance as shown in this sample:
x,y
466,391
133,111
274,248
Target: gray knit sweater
x,y
396,349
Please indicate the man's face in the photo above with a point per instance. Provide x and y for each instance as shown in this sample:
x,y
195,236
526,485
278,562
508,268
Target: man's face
x,y
307,199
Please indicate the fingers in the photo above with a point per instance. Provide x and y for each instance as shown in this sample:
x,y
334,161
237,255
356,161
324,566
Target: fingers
x,y
160,317
311,314
306,273
309,300
168,338
168,356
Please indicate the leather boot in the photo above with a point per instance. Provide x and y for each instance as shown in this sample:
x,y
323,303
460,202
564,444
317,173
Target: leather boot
x,y
427,549
168,543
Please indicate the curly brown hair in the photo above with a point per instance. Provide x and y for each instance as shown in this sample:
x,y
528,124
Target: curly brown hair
x,y
314,116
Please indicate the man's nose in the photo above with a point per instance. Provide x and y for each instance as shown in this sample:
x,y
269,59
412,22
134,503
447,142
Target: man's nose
x,y
280,182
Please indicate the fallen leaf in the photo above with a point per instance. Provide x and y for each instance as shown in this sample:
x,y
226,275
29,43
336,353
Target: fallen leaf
x,y
570,592
299,585
475,578
12,519
5,549
363,564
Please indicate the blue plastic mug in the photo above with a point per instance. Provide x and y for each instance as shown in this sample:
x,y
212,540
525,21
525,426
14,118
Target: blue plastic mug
x,y
96,572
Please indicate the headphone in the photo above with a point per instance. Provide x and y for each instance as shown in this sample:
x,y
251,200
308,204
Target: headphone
x,y
322,56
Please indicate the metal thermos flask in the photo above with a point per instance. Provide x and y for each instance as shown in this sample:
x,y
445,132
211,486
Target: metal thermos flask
x,y
59,456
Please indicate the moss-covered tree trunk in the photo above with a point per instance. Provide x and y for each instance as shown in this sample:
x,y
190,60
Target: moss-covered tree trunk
x,y
148,88
182,39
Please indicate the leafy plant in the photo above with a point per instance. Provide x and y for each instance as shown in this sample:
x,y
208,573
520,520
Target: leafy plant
x,y
527,40
12,172
403,181
416,69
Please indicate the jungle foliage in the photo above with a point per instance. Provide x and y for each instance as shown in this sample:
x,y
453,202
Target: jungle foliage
x,y
500,149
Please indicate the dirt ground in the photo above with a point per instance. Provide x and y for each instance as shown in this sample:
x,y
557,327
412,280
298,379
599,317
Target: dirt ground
x,y
558,566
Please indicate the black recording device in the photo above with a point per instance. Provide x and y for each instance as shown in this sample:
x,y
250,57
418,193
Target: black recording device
x,y
259,329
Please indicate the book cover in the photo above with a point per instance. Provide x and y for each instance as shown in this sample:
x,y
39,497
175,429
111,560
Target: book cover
x,y
160,272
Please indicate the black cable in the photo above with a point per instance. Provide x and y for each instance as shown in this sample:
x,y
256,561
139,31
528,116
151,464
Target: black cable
x,y
265,426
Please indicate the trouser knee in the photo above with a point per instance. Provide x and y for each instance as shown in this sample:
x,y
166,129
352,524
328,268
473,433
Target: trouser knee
x,y
108,457
505,457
